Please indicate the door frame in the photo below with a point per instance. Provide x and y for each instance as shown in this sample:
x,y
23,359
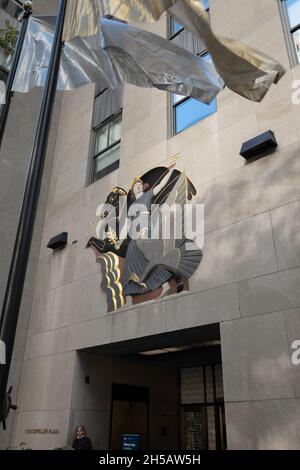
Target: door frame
x,y
125,392
217,404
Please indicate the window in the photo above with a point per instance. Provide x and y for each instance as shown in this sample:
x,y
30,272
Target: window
x,y
188,111
206,4
107,126
107,148
202,410
175,28
291,14
185,112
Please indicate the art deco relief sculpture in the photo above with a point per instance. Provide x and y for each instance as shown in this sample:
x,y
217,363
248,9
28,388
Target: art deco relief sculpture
x,y
145,251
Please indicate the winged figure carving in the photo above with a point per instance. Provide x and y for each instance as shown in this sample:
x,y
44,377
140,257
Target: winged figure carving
x,y
155,253
178,254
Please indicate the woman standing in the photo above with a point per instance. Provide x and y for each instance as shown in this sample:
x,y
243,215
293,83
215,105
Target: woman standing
x,y
81,441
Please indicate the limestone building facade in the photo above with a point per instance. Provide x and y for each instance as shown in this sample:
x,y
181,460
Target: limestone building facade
x,y
209,368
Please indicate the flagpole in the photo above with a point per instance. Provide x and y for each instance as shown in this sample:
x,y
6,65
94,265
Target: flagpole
x,y
15,284
12,73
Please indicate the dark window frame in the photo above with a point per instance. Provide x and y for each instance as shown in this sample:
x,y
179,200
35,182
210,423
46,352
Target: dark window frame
x,y
174,106
95,176
289,31
172,116
216,403
171,34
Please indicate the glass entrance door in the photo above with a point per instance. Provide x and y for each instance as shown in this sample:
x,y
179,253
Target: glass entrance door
x,y
193,428
202,408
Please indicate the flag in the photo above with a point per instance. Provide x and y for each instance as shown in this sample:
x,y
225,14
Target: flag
x,y
82,60
82,16
246,71
117,53
145,59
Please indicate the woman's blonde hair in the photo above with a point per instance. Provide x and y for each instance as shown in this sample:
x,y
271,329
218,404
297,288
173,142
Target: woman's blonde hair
x,y
83,429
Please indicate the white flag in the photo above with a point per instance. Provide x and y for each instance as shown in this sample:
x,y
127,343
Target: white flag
x,y
246,71
143,59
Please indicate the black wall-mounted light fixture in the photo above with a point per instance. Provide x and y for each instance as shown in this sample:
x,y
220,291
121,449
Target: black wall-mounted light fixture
x,y
260,146
58,242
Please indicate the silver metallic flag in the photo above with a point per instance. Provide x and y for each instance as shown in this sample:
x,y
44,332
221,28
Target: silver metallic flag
x,y
245,71
119,52
147,60
82,60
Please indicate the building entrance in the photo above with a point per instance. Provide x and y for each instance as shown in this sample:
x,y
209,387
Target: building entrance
x,y
157,393
129,417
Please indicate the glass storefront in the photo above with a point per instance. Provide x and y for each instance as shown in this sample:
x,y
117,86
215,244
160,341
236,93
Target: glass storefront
x,y
202,408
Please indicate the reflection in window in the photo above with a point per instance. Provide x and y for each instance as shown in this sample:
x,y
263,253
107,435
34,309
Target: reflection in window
x,y
293,9
292,14
202,408
206,4
106,131
188,111
175,28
